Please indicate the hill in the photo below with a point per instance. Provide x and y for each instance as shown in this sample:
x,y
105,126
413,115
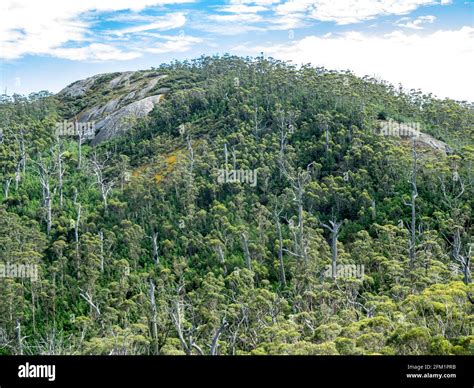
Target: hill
x,y
236,206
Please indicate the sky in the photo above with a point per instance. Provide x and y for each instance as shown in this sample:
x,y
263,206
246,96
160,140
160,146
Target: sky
x,y
422,44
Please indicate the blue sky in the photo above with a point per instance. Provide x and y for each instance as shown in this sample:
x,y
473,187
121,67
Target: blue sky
x,y
426,44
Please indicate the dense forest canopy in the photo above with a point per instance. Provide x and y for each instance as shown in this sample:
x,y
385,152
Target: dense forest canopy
x,y
258,209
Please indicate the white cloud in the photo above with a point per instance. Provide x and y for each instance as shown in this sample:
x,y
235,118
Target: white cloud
x,y
238,13
439,62
416,24
288,22
293,6
228,28
256,2
42,27
167,22
292,14
242,8
352,11
179,43
95,52
241,18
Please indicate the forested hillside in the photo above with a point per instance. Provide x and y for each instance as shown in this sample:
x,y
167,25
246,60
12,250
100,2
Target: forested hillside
x,y
254,208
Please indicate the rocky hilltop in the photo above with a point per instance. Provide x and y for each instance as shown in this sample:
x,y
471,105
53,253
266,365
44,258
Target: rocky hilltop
x,y
114,101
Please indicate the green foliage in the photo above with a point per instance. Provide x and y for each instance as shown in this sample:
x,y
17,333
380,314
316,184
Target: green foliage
x,y
170,260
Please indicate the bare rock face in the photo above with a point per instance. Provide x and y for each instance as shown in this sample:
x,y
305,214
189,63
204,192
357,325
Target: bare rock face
x,y
78,88
113,102
435,144
124,77
97,112
406,131
122,119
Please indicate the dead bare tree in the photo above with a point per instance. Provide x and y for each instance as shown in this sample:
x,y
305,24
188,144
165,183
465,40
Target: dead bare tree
x,y
105,184
154,241
185,335
154,325
101,239
326,131
21,163
20,338
221,255
334,229
18,174
245,247
277,210
6,187
81,137
453,201
412,204
285,123
215,339
256,123
45,171
460,254
298,181
190,186
323,124
351,296
61,169
76,232
234,158
88,299
19,158
224,237
5,341
462,257
226,156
